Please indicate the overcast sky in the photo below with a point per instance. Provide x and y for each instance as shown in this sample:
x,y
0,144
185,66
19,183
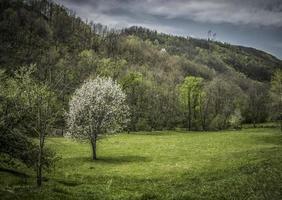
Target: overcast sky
x,y
255,23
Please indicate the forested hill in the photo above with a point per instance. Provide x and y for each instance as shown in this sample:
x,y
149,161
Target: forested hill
x,y
255,64
30,29
150,66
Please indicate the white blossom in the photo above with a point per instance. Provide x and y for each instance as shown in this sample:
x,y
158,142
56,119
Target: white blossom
x,y
97,107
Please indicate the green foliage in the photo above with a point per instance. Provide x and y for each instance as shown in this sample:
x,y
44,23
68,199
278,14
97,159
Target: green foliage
x,y
257,109
33,98
142,124
111,68
27,109
68,50
190,94
219,56
236,119
276,95
223,98
17,147
88,61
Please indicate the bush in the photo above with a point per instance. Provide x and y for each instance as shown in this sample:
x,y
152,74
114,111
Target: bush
x,y
235,120
18,147
143,125
217,123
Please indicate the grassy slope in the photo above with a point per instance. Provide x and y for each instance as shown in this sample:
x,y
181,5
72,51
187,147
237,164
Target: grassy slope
x,y
163,165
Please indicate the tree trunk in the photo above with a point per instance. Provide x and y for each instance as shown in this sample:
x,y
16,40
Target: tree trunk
x,y
40,148
39,164
93,144
39,172
254,123
189,113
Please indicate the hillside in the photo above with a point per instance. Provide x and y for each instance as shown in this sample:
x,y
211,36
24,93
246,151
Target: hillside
x,y
149,65
36,24
255,64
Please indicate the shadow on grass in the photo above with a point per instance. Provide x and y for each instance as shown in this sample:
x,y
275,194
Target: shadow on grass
x,y
122,159
109,159
70,183
14,172
260,179
273,139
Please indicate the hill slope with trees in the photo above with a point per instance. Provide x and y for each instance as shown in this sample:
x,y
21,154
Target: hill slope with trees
x,y
150,66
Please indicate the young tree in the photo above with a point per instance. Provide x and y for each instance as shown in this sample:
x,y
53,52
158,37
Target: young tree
x,y
257,101
43,108
108,67
190,92
235,119
134,88
97,107
276,95
35,110
204,102
223,98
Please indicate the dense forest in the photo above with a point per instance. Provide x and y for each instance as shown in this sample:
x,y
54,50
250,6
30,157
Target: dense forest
x,y
233,81
167,82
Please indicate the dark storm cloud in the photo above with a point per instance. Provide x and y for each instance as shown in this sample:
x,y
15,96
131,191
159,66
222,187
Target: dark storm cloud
x,y
250,12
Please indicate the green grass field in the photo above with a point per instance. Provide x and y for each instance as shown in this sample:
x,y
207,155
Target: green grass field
x,y
243,164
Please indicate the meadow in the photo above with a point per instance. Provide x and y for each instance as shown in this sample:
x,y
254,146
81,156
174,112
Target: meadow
x,y
245,164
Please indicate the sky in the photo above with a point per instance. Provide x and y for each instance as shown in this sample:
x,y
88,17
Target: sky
x,y
252,23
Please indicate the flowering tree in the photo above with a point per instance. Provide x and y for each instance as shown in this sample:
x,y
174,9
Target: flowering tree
x,y
97,107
